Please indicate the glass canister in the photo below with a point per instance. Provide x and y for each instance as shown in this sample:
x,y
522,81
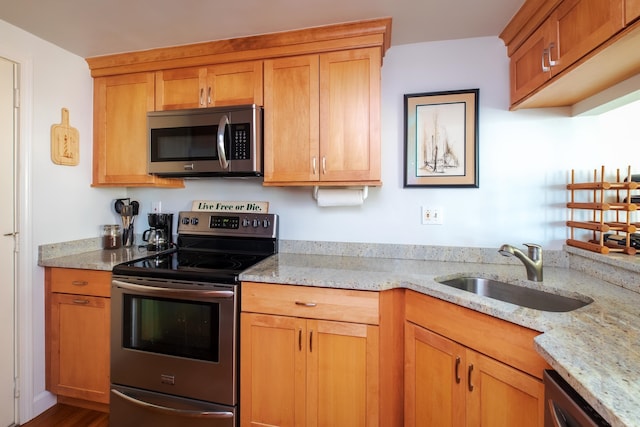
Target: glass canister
x,y
111,236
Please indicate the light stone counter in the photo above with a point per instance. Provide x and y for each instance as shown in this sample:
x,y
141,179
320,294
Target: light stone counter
x,y
595,348
87,254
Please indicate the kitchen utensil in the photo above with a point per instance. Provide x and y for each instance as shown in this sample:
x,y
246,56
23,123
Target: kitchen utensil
x,y
126,213
65,142
119,204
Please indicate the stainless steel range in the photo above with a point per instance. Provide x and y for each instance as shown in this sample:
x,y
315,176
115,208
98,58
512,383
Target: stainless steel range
x,y
175,323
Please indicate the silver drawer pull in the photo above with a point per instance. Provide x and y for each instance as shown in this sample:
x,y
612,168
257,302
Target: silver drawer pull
x,y
306,304
81,301
79,283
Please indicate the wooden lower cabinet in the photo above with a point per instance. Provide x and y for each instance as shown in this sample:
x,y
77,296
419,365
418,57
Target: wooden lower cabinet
x,y
447,384
77,334
307,372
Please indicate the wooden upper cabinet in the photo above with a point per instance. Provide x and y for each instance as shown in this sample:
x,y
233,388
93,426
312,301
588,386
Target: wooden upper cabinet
x,y
350,116
583,25
120,144
574,28
565,51
199,87
291,119
529,66
631,10
322,119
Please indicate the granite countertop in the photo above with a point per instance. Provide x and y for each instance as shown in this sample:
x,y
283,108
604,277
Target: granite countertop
x,y
595,348
88,254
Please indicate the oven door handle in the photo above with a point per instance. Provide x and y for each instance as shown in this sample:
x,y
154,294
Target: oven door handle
x,y
172,411
173,292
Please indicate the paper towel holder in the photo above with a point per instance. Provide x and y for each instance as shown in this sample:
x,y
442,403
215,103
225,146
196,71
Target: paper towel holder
x,y
365,191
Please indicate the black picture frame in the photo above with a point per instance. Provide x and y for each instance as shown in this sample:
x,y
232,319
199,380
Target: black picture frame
x,y
441,139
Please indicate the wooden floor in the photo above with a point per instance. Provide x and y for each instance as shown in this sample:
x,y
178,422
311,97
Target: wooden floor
x,y
69,416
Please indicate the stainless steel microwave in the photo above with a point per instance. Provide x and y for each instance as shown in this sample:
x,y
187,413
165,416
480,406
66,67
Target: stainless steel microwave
x,y
202,142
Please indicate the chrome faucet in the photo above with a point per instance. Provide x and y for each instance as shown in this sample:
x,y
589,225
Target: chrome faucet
x,y
532,262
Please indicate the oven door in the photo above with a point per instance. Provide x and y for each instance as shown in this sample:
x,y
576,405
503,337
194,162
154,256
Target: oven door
x,y
175,338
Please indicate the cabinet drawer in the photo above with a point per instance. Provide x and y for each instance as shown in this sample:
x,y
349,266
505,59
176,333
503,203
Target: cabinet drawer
x,y
80,282
309,302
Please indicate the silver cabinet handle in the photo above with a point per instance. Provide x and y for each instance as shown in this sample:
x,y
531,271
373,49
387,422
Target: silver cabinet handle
x,y
306,304
209,96
224,122
81,301
313,164
552,63
201,96
324,165
172,411
545,53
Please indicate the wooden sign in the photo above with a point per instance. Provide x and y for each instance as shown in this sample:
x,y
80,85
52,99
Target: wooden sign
x,y
65,142
230,206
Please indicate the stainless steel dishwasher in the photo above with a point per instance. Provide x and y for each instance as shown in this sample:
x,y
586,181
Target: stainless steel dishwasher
x,y
564,407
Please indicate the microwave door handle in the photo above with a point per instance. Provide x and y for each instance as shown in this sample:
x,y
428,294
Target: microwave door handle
x,y
172,411
224,122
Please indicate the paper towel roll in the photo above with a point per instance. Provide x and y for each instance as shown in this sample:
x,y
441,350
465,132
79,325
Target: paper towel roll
x,y
328,197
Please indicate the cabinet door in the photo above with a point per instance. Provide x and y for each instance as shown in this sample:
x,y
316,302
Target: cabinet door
x,y
434,379
529,65
120,143
502,396
234,84
631,10
198,87
342,374
582,25
181,88
272,370
350,115
79,347
291,119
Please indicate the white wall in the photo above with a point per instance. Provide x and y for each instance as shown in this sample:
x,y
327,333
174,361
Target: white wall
x,y
525,160
59,205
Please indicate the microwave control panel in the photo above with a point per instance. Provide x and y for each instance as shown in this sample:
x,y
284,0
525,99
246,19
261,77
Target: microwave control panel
x,y
241,142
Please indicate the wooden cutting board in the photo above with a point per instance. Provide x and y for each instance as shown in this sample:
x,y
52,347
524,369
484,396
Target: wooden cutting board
x,y
65,142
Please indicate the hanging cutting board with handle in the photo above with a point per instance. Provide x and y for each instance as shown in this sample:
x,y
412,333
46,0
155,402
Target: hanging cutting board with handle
x,y
65,142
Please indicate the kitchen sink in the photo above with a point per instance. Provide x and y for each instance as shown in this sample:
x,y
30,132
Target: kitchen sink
x,y
514,294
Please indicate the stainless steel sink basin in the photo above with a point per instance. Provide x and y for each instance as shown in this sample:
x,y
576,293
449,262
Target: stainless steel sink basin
x,y
514,294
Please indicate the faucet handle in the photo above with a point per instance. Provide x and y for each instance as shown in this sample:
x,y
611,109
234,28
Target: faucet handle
x,y
535,251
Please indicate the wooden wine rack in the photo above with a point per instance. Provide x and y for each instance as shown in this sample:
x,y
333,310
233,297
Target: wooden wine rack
x,y
608,216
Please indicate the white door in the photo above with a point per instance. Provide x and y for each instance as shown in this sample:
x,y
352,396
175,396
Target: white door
x,y
8,226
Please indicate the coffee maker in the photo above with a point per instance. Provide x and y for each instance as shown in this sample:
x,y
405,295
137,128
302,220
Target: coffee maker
x,y
159,236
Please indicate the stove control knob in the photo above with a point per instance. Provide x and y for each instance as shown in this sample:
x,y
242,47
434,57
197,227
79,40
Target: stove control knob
x,y
266,223
185,220
194,221
256,223
246,222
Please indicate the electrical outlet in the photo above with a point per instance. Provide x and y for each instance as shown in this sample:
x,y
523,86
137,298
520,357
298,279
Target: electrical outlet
x,y
432,216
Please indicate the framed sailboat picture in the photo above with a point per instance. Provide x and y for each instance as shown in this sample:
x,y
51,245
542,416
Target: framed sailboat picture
x,y
441,139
